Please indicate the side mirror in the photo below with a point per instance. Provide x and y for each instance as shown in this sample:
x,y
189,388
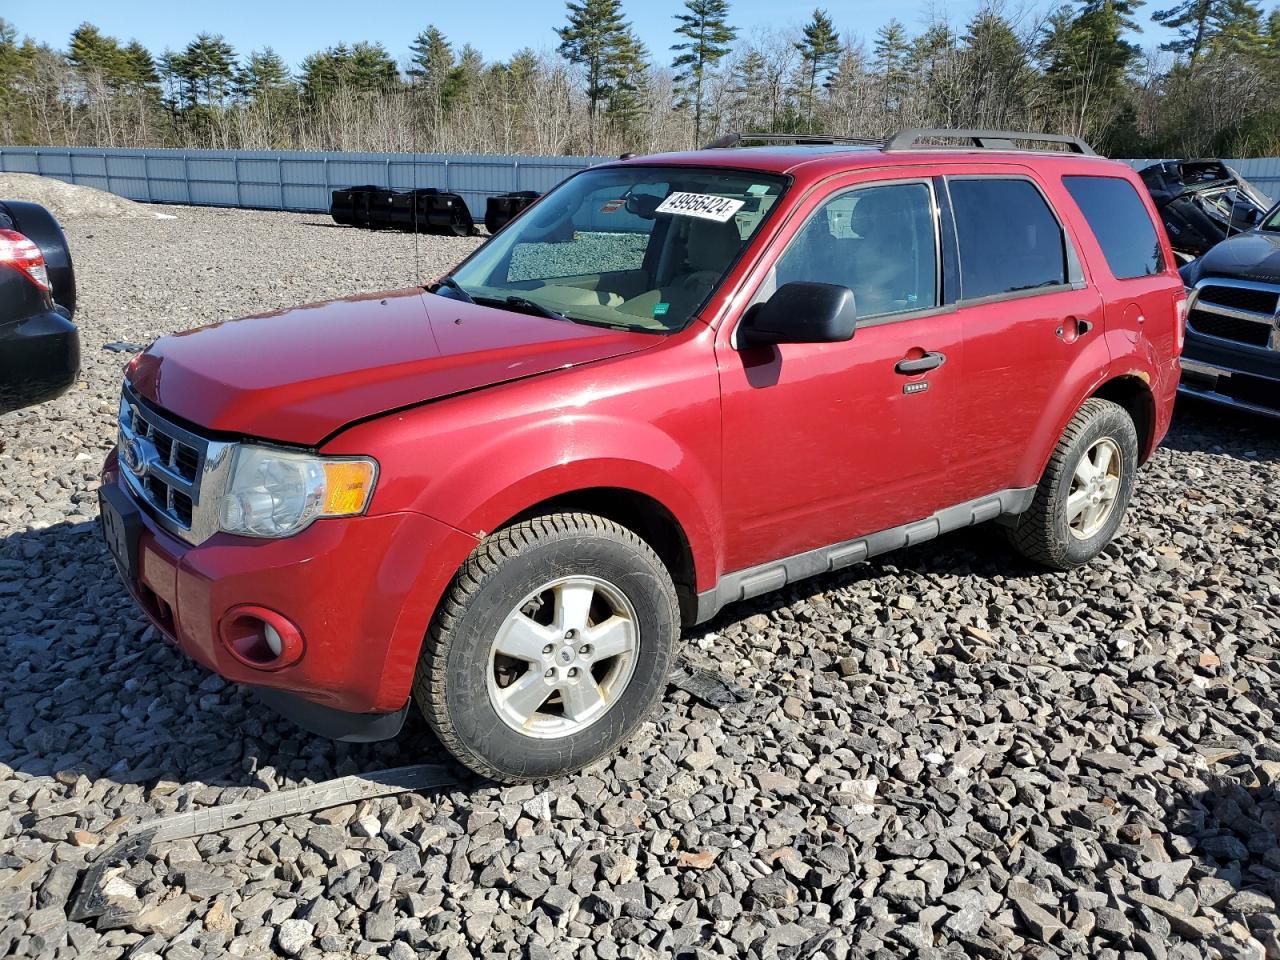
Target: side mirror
x,y
800,312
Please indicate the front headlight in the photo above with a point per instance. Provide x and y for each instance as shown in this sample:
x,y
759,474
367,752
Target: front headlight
x,y
276,493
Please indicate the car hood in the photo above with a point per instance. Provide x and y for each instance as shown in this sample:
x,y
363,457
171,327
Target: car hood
x,y
299,375
1248,256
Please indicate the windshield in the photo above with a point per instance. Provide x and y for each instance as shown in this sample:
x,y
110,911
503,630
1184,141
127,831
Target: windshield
x,y
1272,221
640,248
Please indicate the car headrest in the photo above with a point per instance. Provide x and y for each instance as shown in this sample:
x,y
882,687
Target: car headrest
x,y
712,245
878,211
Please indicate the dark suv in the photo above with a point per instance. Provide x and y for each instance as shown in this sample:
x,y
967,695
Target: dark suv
x,y
672,383
39,346
1232,354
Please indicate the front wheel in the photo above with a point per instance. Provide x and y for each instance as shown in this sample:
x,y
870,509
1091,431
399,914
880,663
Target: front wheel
x,y
550,648
1081,499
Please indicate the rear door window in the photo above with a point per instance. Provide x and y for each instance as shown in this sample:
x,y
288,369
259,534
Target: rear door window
x,y
1120,222
1009,239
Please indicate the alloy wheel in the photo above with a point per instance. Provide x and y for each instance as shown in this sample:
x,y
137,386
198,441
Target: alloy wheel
x,y
563,657
1095,486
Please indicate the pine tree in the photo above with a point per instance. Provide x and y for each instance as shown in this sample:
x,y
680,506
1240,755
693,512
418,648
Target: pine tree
x,y
208,65
997,73
598,40
263,74
846,95
1084,57
934,66
91,51
370,69
466,76
523,66
707,36
176,94
890,55
431,57
1271,37
361,68
137,68
322,72
1191,19
628,84
1122,10
748,85
13,64
819,47
1236,27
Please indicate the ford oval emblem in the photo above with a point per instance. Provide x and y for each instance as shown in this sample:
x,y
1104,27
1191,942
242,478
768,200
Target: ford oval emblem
x,y
134,459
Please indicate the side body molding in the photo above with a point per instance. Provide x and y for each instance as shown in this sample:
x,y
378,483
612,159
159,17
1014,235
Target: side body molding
x,y
767,577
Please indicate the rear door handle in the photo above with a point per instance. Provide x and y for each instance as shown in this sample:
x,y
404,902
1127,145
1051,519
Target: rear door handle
x,y
1073,328
921,364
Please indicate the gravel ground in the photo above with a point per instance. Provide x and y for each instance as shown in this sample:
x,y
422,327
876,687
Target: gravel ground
x,y
943,753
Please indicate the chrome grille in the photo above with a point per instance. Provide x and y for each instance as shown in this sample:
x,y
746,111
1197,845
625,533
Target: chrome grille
x,y
170,469
1229,328
1240,311
1242,298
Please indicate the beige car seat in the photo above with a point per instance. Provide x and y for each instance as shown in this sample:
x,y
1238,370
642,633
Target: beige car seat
x,y
709,249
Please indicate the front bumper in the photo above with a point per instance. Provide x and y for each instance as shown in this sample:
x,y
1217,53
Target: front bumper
x,y
361,592
1232,374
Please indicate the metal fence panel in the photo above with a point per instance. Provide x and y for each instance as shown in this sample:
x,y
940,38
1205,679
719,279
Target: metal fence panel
x,y
284,180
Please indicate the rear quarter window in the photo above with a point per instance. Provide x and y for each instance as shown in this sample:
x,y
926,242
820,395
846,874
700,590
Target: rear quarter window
x,y
1120,222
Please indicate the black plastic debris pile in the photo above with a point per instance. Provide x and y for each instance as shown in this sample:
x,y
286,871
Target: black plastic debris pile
x,y
502,209
1202,202
425,210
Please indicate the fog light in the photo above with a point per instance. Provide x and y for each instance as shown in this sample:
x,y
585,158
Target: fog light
x,y
260,638
274,643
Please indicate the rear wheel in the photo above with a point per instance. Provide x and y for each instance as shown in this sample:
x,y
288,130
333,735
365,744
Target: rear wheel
x,y
551,647
1080,501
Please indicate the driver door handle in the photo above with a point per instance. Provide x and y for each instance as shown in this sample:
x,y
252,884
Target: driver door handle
x,y
920,364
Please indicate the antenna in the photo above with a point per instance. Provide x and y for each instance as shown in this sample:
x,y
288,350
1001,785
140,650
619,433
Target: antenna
x,y
413,134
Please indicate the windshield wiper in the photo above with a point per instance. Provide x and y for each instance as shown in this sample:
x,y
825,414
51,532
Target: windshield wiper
x,y
456,287
531,306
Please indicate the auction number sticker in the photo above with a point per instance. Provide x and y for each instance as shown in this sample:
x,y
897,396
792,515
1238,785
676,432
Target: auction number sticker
x,y
705,206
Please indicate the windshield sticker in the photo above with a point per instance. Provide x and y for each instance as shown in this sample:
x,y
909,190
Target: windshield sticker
x,y
704,206
612,206
660,309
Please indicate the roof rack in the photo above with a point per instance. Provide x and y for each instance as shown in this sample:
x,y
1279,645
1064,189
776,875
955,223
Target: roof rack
x,y
983,139
816,139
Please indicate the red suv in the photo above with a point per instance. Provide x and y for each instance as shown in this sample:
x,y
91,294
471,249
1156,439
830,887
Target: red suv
x,y
674,382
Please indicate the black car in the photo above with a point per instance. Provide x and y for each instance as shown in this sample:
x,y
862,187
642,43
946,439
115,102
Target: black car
x,y
39,345
1232,353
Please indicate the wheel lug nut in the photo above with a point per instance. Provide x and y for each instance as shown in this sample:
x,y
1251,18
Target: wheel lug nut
x,y
570,634
547,650
550,674
585,650
573,673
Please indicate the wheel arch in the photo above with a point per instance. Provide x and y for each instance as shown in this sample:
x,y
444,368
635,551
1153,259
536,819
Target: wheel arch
x,y
1133,393
645,516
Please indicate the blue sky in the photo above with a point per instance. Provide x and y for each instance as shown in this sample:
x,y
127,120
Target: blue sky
x,y
295,28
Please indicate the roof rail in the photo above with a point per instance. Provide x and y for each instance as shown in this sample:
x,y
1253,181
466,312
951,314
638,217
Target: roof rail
x,y
817,139
984,139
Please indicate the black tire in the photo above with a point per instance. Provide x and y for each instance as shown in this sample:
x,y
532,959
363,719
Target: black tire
x,y
1042,533
451,686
